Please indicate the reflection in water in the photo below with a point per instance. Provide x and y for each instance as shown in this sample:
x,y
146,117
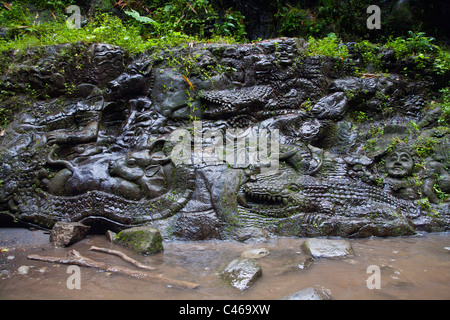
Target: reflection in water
x,y
411,268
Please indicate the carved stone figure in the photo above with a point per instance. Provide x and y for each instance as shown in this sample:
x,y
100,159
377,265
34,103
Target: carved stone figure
x,y
399,166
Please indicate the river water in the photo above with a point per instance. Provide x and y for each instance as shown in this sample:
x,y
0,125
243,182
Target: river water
x,y
411,268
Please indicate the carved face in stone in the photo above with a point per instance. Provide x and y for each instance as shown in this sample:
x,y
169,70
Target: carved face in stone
x,y
399,164
262,65
286,53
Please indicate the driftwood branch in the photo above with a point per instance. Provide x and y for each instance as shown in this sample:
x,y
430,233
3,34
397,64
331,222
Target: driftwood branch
x,y
75,258
123,256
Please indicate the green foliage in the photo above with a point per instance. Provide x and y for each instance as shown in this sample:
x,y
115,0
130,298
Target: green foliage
x,y
413,45
232,26
3,118
422,51
146,20
110,29
329,46
105,28
14,15
360,116
445,105
369,53
26,12
425,147
442,196
346,18
195,18
171,23
298,22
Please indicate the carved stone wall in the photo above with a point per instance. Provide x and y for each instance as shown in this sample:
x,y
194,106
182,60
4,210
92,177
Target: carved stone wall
x,y
91,139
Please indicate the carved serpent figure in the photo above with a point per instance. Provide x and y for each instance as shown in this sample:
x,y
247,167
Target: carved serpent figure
x,y
132,189
97,204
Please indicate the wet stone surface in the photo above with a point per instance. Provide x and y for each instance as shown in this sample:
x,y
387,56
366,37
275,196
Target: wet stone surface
x,y
242,273
308,294
326,248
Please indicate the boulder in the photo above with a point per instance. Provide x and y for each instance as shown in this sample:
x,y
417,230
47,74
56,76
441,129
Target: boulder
x,y
241,273
143,240
64,234
308,294
325,248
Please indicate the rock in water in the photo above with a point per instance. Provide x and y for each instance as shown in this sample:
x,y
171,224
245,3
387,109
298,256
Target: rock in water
x,y
110,235
324,248
308,294
242,273
255,253
296,263
143,240
64,234
23,270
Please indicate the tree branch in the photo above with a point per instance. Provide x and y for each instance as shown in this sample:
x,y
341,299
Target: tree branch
x,y
75,258
123,256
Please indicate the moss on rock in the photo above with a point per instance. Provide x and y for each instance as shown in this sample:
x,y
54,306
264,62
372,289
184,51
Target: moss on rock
x,y
143,240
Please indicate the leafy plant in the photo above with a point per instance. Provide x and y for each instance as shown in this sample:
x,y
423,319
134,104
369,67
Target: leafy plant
x,y
232,25
369,53
329,46
294,22
192,18
445,105
422,50
425,147
360,117
142,19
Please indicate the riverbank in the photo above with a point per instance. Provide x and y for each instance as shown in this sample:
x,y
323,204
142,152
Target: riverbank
x,y
411,268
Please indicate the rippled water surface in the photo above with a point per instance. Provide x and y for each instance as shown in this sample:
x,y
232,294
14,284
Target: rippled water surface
x,y
411,268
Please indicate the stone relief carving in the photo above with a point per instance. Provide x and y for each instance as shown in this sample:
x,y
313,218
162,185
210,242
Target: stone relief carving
x,y
103,151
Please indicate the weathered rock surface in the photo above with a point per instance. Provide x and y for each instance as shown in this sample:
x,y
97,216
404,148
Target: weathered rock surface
x,y
241,273
324,248
308,294
197,226
143,240
64,234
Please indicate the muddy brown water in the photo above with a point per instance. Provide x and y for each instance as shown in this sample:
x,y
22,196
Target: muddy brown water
x,y
411,268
